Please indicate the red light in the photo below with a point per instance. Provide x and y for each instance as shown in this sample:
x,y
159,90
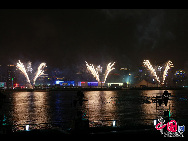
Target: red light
x,y
16,85
83,82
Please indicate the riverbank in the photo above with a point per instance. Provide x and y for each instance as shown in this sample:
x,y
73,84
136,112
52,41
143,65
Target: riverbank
x,y
93,89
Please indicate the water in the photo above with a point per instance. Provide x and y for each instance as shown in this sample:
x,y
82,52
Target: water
x,y
46,110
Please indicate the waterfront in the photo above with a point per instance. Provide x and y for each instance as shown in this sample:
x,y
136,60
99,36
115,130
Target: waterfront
x,y
128,108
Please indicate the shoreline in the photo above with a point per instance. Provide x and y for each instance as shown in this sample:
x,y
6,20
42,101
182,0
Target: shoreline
x,y
92,89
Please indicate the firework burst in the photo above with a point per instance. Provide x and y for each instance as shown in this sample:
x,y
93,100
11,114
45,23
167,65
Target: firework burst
x,y
95,72
168,65
108,70
152,70
39,72
21,67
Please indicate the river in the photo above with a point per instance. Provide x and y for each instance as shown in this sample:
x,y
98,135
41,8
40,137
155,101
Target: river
x,y
45,110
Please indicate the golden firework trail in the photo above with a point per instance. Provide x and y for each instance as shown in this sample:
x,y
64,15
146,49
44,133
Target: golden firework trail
x,y
21,67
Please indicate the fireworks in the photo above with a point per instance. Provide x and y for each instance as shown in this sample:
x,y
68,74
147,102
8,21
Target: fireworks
x,y
168,65
153,72
39,72
95,72
108,70
21,67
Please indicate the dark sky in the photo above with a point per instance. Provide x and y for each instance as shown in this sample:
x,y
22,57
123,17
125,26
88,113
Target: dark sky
x,y
68,37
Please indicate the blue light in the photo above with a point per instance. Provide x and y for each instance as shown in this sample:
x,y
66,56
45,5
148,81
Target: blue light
x,y
65,83
56,82
92,83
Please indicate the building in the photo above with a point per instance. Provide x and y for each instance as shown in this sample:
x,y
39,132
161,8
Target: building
x,y
144,83
42,80
82,84
116,85
180,78
2,85
65,83
11,76
90,84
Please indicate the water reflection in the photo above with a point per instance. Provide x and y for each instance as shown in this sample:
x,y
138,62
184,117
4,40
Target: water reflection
x,y
29,108
152,111
101,107
126,107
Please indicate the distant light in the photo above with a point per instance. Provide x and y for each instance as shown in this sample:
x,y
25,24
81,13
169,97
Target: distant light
x,y
155,122
114,123
27,127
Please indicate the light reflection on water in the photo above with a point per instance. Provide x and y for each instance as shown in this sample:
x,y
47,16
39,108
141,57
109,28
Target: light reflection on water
x,y
29,108
150,111
44,109
101,106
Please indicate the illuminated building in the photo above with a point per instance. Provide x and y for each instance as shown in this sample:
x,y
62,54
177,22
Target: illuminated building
x,y
11,79
82,84
2,85
125,76
115,84
180,77
65,83
90,84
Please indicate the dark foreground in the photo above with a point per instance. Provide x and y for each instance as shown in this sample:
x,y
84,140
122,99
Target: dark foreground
x,y
129,132
91,132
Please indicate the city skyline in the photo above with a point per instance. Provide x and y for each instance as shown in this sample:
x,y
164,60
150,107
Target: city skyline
x,y
121,74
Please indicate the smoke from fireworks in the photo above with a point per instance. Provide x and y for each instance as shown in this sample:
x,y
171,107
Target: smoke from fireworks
x,y
21,67
29,68
95,73
39,72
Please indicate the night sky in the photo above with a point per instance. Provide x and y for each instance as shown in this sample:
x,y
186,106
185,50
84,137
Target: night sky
x,y
65,37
